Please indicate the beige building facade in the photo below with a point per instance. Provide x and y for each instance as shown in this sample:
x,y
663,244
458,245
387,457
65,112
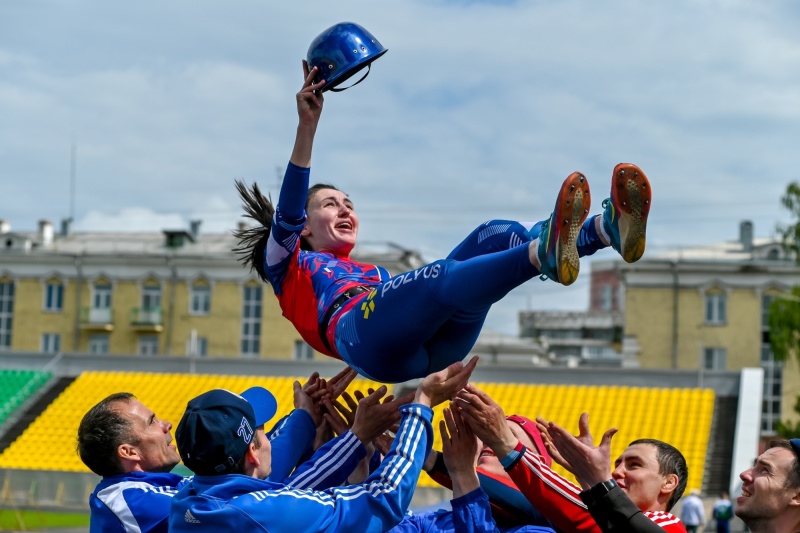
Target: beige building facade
x,y
706,309
174,293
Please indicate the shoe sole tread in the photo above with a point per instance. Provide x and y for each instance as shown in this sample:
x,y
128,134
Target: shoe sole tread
x,y
631,194
572,208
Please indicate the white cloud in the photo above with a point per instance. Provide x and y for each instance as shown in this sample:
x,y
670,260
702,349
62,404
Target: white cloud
x,y
478,110
130,219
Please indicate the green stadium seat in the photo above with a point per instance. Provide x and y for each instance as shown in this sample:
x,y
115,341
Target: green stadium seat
x,y
16,386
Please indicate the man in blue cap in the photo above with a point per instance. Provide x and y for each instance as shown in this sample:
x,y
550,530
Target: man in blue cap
x,y
221,438
126,443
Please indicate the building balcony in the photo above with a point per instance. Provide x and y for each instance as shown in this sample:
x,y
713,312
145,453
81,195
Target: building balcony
x,y
96,319
146,319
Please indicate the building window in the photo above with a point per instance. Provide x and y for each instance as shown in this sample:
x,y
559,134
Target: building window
x,y
6,313
100,311
151,297
251,321
148,345
51,343
606,297
150,311
101,298
766,302
771,402
773,375
302,351
716,308
200,301
196,345
54,296
715,358
98,344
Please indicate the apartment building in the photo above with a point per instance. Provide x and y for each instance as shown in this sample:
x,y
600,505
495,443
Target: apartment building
x,y
706,308
177,292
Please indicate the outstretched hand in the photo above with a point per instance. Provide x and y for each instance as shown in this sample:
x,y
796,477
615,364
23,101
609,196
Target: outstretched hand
x,y
487,420
589,464
303,401
443,385
460,448
310,99
309,109
373,417
459,443
317,387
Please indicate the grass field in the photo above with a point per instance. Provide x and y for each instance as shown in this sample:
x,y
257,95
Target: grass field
x,y
33,520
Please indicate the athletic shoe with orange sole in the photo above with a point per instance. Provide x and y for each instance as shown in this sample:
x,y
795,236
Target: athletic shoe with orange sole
x,y
625,213
557,250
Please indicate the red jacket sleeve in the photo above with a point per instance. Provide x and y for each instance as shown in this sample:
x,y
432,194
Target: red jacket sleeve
x,y
556,498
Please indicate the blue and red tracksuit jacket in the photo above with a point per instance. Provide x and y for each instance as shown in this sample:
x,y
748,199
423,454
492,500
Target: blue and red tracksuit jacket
x,y
306,282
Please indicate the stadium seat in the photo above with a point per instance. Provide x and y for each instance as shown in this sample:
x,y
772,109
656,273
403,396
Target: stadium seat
x,y
16,386
49,442
681,417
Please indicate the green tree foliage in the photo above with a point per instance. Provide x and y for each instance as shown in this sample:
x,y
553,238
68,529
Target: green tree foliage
x,y
791,233
784,312
784,326
789,429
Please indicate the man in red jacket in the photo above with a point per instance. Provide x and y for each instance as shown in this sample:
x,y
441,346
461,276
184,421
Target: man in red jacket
x,y
650,476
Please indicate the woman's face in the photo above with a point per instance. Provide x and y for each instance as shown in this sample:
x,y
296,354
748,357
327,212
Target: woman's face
x,y
332,224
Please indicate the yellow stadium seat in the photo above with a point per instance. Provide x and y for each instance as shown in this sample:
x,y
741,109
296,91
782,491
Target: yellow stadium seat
x,y
681,417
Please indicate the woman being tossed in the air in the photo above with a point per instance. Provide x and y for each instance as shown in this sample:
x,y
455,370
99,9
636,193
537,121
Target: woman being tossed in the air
x,y
406,327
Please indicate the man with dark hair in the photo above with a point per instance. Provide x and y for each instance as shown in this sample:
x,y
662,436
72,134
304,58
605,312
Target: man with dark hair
x,y
123,441
649,474
670,461
770,499
220,428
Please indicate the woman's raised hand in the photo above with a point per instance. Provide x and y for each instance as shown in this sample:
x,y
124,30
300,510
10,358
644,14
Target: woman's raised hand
x,y
310,99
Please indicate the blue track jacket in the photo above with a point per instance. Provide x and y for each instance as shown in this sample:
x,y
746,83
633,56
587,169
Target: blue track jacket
x,y
139,502
471,513
239,503
136,502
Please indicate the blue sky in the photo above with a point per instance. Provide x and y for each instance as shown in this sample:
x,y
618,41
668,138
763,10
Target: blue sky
x,y
478,111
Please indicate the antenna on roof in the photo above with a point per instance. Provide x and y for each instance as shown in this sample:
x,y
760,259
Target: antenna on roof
x,y
72,178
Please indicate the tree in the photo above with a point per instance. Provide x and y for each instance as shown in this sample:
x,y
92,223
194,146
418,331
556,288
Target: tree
x,y
789,429
784,326
784,312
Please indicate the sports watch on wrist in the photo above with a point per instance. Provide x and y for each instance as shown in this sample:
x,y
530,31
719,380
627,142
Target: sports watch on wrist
x,y
596,493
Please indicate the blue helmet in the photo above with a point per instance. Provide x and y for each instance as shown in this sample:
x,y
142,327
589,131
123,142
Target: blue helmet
x,y
341,51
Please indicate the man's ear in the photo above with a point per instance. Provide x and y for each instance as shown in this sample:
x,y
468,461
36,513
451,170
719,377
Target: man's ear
x,y
251,455
128,452
795,501
670,483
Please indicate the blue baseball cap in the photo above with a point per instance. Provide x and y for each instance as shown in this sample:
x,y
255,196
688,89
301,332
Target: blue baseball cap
x,y
218,426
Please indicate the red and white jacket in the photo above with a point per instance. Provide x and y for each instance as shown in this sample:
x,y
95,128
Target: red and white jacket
x,y
560,501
